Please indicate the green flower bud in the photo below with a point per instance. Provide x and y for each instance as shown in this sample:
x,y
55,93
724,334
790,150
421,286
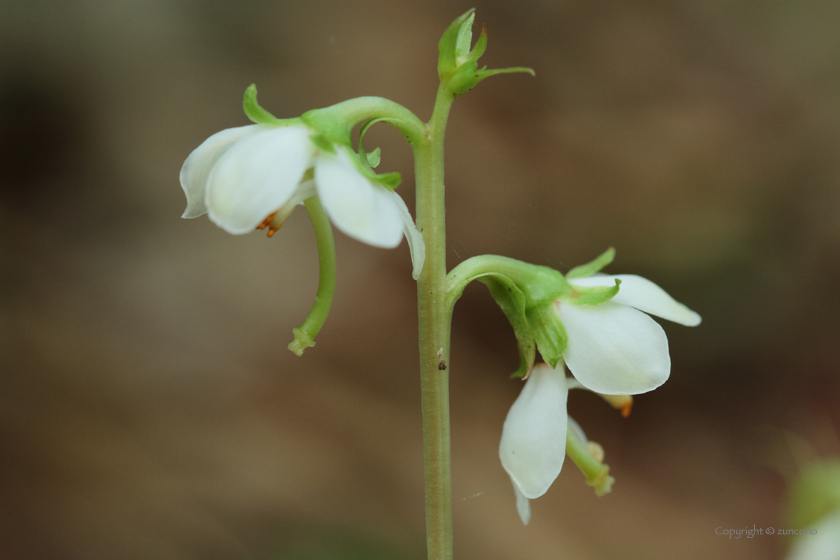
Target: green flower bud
x,y
458,64
454,43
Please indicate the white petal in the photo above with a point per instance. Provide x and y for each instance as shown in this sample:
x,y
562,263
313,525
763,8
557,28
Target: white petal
x,y
644,295
358,207
523,507
534,435
196,168
257,175
614,349
415,239
823,545
302,192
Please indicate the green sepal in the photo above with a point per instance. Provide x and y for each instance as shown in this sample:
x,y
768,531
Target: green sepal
x,y
549,333
464,40
452,39
373,158
253,110
334,130
388,180
322,142
480,46
512,302
591,295
370,159
815,494
591,268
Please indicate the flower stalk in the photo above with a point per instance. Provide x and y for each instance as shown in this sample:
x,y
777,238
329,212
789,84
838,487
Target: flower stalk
x,y
434,321
337,121
306,333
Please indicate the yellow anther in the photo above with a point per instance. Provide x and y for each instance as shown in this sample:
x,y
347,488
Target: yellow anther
x,y
622,402
268,220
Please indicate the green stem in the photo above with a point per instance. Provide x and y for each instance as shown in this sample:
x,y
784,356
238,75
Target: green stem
x,y
537,282
306,333
597,473
434,325
337,121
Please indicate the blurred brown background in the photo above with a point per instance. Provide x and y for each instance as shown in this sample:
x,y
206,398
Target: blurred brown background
x,y
149,408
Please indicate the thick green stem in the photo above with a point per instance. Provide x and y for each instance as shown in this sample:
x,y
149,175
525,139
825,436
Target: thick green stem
x,y
434,325
306,333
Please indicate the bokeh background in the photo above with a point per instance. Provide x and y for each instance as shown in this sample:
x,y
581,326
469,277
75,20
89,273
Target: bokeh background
x,y
149,408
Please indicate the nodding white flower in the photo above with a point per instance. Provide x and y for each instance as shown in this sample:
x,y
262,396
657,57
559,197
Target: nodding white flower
x,y
253,176
533,446
613,348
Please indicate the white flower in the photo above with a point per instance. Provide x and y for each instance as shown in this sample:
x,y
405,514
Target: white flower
x,y
613,348
242,176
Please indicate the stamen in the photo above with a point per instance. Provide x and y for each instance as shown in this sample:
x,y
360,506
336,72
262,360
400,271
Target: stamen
x,y
272,230
268,220
622,402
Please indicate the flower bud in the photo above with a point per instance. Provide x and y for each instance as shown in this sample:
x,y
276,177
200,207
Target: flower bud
x,y
458,64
